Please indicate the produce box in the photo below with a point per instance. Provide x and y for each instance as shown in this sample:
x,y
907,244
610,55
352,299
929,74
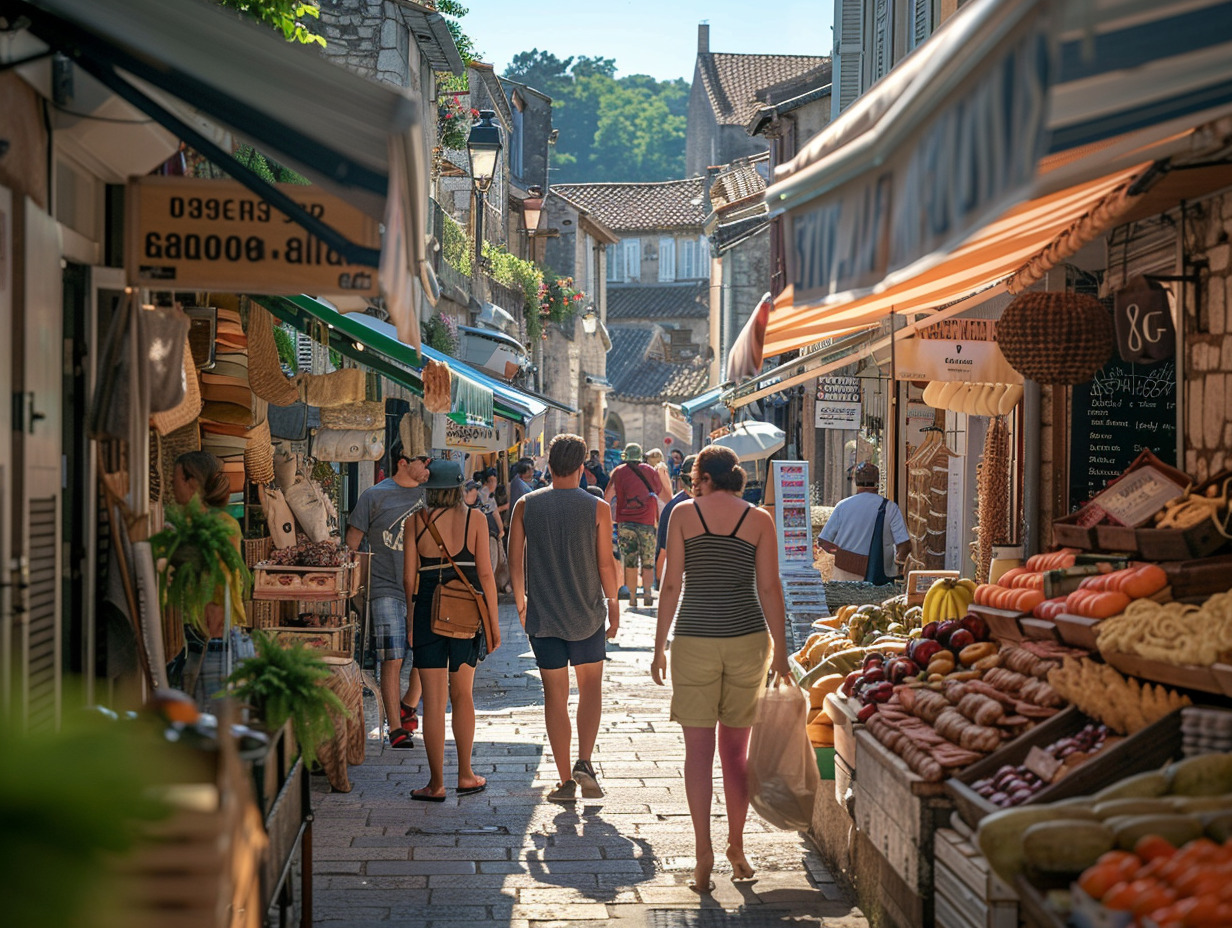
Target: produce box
x,y
1002,623
305,583
1075,531
1077,631
968,893
316,639
1108,521
1034,629
1035,910
1193,579
1149,749
1173,544
1179,676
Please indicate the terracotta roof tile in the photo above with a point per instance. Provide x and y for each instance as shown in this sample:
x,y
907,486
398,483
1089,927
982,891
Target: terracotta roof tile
x,y
738,180
635,375
733,81
664,301
631,207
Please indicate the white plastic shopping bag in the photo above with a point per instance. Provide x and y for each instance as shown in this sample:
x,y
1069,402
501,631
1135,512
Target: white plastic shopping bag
x,y
783,777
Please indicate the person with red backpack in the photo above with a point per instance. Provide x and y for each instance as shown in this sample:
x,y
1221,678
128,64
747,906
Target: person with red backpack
x,y
632,486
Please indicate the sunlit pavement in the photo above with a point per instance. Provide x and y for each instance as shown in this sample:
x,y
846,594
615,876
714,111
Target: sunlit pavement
x,y
508,857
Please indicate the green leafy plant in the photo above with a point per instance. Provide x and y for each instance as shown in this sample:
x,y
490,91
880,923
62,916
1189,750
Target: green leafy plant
x,y
289,683
452,10
287,16
197,556
286,348
456,246
441,333
521,275
558,299
454,121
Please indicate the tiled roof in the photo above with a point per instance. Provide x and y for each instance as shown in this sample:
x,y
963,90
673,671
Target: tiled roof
x,y
629,207
663,301
635,376
732,81
738,180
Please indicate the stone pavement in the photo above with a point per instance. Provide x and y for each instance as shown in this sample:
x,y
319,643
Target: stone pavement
x,y
507,857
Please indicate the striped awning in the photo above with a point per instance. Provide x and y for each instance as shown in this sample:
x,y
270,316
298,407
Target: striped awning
x,y
1011,102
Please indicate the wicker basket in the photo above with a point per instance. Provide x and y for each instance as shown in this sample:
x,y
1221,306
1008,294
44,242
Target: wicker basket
x,y
257,550
264,613
1056,337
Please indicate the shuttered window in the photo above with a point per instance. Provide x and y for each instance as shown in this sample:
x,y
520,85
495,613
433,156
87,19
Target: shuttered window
x,y
667,259
921,13
848,53
881,52
633,258
688,259
615,263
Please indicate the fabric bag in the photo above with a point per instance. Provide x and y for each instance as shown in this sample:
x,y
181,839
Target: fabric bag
x,y
338,388
367,415
348,445
458,609
783,777
278,517
876,552
293,422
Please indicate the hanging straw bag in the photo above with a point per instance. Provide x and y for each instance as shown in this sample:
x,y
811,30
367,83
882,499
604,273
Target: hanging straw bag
x,y
265,374
186,411
338,388
366,415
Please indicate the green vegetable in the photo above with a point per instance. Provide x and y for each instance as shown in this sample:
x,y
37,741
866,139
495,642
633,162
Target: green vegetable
x,y
1066,847
289,683
197,555
1204,775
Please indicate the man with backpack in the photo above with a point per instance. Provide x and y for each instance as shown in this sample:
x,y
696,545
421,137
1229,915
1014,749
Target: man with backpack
x,y
636,510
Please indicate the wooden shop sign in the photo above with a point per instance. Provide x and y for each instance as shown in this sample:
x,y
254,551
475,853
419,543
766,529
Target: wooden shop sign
x,y
185,233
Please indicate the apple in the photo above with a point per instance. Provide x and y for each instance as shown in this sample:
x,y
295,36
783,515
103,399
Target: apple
x,y
925,651
944,630
873,659
874,674
900,668
960,639
929,631
975,625
880,692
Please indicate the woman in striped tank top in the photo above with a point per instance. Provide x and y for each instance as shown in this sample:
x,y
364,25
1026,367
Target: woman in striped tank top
x,y
723,552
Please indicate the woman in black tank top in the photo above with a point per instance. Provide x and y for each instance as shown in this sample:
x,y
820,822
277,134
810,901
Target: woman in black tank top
x,y
724,553
446,665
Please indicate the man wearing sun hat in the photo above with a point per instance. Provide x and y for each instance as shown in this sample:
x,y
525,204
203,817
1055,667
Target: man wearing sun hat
x,y
866,532
636,508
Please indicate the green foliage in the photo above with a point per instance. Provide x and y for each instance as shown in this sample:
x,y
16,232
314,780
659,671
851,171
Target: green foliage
x,y
453,121
517,274
199,556
456,246
286,348
268,170
558,299
620,129
69,799
441,332
289,683
452,10
287,16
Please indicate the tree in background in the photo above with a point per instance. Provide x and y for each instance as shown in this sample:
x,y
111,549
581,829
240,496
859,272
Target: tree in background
x,y
611,129
287,16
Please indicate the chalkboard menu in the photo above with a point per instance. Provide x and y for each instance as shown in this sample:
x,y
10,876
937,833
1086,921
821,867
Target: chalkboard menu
x,y
1123,409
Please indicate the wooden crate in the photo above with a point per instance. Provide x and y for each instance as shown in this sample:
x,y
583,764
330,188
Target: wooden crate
x,y
341,638
271,581
968,893
842,712
899,813
264,613
1002,623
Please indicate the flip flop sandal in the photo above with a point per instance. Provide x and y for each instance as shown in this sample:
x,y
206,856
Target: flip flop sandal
x,y
471,790
709,888
409,717
401,739
423,797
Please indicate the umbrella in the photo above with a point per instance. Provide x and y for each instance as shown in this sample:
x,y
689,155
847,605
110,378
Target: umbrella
x,y
753,441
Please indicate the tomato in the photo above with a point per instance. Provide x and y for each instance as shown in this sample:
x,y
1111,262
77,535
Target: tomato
x,y
1209,912
1154,896
1150,847
1098,880
1123,897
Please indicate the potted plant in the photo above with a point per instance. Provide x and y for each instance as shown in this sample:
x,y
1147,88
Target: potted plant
x,y
289,683
196,555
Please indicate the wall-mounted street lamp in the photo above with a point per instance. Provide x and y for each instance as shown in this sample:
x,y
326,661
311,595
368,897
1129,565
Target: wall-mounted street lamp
x,y
590,320
532,209
483,147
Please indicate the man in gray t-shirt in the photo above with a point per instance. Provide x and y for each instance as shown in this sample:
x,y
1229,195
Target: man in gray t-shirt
x,y
564,585
377,522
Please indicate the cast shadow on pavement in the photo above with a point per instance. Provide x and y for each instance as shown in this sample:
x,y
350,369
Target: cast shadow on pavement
x,y
627,861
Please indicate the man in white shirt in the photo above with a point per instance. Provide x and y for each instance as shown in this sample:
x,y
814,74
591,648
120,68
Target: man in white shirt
x,y
864,546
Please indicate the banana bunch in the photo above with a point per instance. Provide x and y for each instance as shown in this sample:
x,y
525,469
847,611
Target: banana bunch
x,y
974,399
947,600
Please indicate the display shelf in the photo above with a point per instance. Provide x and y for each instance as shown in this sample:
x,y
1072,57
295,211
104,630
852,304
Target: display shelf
x,y
1181,676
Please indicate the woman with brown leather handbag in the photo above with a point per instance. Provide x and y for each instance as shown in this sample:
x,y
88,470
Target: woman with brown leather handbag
x,y
452,592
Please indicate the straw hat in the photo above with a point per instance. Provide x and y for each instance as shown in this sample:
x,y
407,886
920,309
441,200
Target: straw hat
x,y
189,408
259,455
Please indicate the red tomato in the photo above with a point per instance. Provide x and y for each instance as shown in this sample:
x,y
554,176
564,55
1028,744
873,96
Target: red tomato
x,y
1150,847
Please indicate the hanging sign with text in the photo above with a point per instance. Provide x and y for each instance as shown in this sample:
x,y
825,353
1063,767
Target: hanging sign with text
x,y
941,359
190,234
838,415
483,439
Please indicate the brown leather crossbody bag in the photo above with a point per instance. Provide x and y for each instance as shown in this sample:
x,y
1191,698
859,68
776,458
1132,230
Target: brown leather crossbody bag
x,y
458,609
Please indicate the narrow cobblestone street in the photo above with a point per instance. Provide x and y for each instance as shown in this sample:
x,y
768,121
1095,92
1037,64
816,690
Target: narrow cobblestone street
x,y
508,857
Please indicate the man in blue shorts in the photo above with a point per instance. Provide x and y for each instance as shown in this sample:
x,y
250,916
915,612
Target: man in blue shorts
x,y
564,584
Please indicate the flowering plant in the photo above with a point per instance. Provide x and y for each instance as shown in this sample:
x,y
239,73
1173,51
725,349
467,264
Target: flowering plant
x,y
454,121
558,298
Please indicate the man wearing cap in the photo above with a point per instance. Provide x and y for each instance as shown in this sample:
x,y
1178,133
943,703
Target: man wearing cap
x,y
685,476
632,486
866,532
377,519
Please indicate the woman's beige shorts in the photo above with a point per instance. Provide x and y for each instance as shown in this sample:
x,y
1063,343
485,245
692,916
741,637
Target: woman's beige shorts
x,y
718,679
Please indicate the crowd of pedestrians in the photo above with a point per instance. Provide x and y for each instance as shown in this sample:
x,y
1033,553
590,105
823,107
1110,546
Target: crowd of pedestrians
x,y
560,538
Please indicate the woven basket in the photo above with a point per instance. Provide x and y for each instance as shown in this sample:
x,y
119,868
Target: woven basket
x,y
265,374
173,444
338,388
257,550
259,455
367,415
264,613
1056,337
189,407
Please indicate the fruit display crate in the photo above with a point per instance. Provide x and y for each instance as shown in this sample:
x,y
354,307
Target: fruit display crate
x,y
1148,749
273,581
1002,623
340,639
968,893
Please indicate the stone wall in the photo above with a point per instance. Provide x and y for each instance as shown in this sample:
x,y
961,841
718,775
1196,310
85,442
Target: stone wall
x,y
369,38
1208,341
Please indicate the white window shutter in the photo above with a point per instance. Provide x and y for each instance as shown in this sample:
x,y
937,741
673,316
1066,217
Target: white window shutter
x,y
848,54
667,259
590,285
688,259
615,263
882,41
633,259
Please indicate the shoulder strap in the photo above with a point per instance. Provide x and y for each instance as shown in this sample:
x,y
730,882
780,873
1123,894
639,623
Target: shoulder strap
x,y
436,536
642,477
705,527
741,521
